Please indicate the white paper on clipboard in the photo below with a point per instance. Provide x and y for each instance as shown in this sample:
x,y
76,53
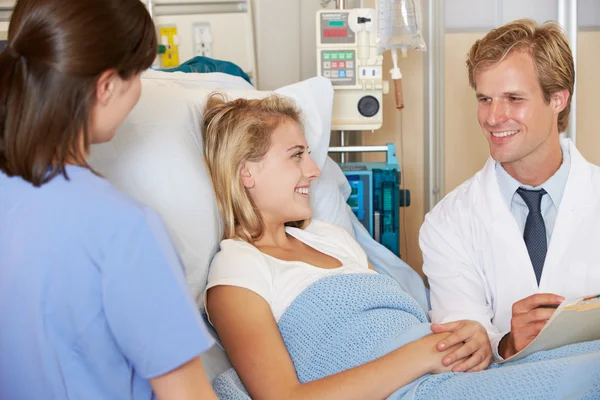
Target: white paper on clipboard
x,y
573,321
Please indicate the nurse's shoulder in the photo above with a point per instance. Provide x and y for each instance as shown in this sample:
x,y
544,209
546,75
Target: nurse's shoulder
x,y
96,199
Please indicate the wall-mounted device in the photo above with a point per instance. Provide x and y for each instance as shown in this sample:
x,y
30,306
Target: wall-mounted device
x,y
202,37
347,55
167,35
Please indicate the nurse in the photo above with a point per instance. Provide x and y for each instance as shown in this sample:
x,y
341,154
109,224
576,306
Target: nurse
x,y
93,301
521,235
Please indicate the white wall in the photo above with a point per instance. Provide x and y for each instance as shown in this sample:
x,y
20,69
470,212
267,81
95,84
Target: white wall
x,y
4,24
231,36
277,32
308,37
286,40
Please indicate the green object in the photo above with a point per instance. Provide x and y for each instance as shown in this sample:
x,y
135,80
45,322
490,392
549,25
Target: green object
x,y
336,23
200,64
162,49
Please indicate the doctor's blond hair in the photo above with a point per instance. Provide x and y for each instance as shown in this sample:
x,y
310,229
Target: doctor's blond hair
x,y
545,43
233,133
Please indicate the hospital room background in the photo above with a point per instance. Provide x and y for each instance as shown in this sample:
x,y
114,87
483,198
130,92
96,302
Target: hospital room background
x,y
436,135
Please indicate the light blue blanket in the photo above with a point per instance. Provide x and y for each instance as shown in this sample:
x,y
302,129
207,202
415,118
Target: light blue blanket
x,y
344,321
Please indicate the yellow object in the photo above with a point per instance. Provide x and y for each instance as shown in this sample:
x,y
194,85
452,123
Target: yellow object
x,y
168,37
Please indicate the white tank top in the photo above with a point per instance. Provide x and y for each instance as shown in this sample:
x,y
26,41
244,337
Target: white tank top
x,y
279,282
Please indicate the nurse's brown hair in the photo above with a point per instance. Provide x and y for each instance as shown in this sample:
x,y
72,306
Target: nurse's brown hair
x,y
57,50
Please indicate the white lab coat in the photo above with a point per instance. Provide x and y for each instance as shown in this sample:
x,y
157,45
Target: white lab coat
x,y
476,260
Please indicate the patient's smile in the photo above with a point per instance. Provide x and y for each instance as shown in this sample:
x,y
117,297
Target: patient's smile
x,y
303,190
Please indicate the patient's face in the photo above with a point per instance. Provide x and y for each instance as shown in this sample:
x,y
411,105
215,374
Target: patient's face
x,y
279,184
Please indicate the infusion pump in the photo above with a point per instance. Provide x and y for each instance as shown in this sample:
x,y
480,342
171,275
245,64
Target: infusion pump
x,y
347,55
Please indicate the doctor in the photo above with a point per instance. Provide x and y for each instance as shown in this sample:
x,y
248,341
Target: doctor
x,y
521,235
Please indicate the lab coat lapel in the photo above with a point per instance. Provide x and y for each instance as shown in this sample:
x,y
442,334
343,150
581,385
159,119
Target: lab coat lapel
x,y
580,196
504,230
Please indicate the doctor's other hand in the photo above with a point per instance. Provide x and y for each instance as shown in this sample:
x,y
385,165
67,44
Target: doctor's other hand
x,y
528,319
474,352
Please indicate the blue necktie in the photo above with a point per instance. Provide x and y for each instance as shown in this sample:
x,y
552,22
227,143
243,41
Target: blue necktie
x,y
535,230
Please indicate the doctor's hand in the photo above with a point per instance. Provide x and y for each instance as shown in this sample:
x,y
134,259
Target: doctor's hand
x,y
528,318
474,351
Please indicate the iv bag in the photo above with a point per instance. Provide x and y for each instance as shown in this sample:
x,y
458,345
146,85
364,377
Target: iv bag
x,y
399,25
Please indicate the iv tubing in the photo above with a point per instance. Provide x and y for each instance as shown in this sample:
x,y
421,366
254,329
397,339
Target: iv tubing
x,y
397,78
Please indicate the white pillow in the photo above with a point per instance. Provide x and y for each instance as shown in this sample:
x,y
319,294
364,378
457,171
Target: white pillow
x,y
156,156
328,197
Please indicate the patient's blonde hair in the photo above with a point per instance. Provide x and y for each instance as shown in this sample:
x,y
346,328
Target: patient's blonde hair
x,y
545,43
233,133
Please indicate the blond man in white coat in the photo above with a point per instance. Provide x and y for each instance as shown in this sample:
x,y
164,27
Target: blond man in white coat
x,y
521,235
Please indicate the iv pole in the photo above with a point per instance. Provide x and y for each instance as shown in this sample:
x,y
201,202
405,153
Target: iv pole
x,y
340,6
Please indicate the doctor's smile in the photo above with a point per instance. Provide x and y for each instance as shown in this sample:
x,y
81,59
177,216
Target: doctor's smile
x,y
504,134
501,137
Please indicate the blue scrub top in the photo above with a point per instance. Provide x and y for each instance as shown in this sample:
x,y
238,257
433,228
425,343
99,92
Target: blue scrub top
x,y
93,300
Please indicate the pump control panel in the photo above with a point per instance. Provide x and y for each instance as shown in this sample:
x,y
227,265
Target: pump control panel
x,y
347,56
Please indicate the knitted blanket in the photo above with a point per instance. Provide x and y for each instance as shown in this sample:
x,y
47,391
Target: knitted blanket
x,y
343,321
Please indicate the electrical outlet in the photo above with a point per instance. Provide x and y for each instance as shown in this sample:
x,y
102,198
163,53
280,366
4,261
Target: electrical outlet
x,y
202,39
369,73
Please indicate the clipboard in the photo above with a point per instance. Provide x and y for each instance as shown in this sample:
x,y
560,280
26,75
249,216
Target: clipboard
x,y
574,321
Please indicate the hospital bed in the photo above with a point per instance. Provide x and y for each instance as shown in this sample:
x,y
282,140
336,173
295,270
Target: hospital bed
x,y
156,157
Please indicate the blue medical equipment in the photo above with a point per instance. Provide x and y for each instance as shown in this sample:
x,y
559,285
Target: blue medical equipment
x,y
376,197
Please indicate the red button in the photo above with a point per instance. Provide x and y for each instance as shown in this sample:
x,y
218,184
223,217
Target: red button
x,y
335,32
342,64
334,64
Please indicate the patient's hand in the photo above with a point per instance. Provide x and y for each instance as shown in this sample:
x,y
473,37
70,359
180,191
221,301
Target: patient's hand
x,y
427,352
473,353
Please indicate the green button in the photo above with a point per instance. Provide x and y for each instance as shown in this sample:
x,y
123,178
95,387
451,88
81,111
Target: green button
x,y
334,56
336,23
342,56
349,56
326,56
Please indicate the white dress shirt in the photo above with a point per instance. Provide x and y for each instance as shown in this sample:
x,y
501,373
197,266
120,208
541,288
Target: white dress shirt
x,y
554,187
